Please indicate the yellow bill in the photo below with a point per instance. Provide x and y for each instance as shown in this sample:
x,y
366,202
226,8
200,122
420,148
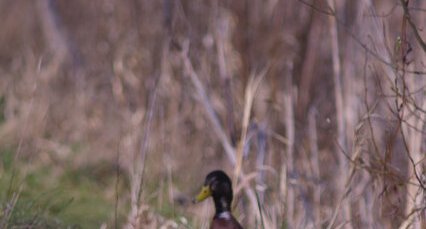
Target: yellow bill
x,y
204,193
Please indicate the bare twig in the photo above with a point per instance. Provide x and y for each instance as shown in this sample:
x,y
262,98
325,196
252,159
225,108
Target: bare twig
x,y
189,69
407,16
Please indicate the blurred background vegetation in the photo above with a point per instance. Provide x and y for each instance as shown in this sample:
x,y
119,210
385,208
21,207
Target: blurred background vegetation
x,y
112,112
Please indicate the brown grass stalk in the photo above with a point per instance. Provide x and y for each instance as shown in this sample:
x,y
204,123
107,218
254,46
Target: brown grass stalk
x,y
340,115
314,161
288,164
138,169
250,92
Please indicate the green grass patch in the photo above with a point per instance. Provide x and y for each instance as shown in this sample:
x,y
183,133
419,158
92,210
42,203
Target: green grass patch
x,y
72,198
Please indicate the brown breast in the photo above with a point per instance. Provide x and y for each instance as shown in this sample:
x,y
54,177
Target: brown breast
x,y
220,223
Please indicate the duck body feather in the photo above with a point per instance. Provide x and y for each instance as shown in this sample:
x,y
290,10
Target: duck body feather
x,y
221,223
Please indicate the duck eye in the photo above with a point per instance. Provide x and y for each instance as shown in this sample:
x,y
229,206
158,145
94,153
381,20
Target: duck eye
x,y
213,185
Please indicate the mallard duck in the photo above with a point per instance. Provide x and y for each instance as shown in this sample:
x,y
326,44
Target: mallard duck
x,y
219,186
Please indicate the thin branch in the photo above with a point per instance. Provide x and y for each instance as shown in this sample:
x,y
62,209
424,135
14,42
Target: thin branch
x,y
412,25
329,11
189,69
358,40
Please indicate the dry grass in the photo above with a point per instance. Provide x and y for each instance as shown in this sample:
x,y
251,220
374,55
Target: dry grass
x,y
316,108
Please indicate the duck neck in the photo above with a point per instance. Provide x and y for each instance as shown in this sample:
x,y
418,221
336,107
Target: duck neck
x,y
222,205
